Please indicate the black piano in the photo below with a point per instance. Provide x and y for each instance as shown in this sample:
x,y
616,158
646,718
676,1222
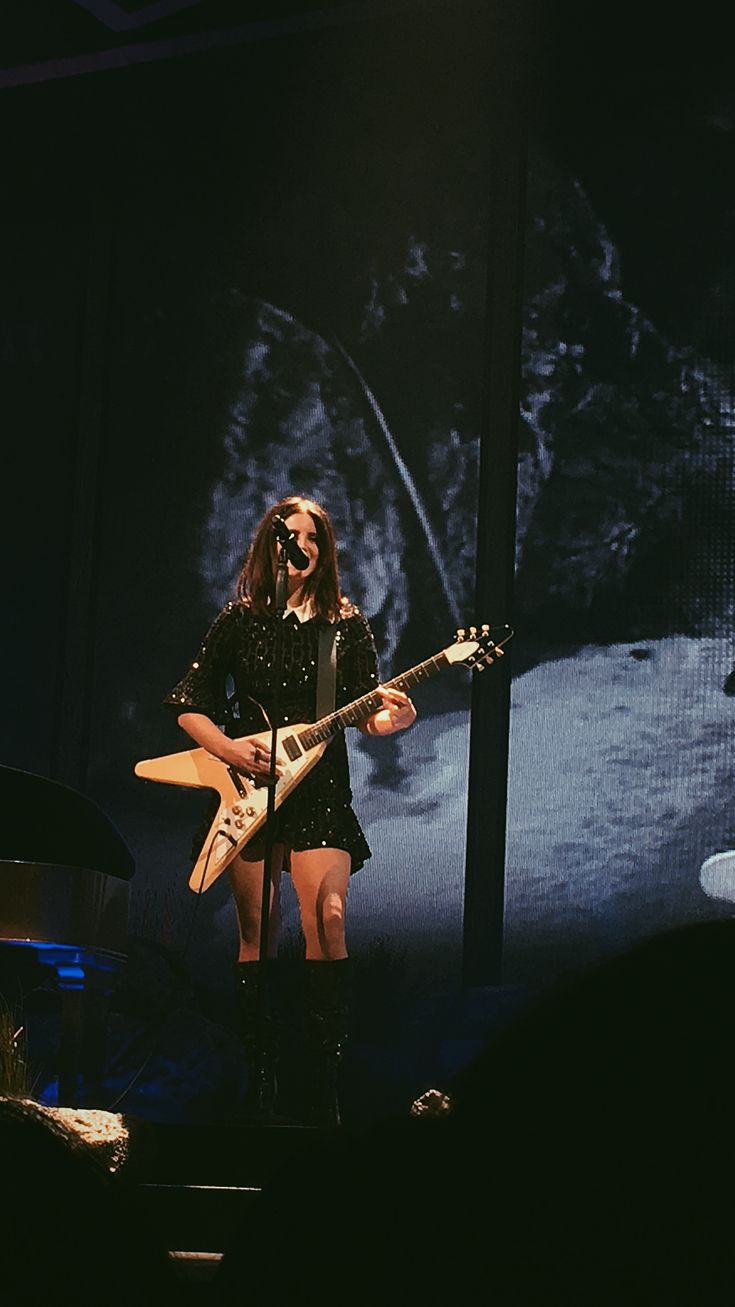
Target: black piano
x,y
65,876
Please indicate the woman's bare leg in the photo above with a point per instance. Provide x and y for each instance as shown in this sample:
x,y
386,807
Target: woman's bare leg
x,y
246,880
321,878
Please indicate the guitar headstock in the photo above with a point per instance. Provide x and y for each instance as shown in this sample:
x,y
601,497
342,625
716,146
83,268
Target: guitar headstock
x,y
478,647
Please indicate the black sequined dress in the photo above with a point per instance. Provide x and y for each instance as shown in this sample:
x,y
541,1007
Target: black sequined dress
x,y
238,651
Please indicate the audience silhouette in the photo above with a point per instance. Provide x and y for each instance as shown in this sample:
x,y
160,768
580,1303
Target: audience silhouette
x,y
586,1158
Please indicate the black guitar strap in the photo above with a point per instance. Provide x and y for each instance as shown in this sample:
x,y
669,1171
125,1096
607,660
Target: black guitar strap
x,y
326,680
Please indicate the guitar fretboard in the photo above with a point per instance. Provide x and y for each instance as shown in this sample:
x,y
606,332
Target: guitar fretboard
x,y
360,709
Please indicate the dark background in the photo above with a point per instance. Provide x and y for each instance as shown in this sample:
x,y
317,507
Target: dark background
x,y
405,183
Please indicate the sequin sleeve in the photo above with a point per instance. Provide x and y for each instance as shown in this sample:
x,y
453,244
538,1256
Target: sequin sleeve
x,y
203,687
358,662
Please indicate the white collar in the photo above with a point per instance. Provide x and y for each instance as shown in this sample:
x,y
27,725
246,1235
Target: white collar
x,y
304,612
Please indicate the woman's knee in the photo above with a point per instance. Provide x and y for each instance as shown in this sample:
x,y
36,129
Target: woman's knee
x,y
331,926
332,912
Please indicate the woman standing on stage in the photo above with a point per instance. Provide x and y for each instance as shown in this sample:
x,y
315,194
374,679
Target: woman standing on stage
x,y
318,838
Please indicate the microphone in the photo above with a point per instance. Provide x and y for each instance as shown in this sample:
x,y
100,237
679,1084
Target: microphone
x,y
294,553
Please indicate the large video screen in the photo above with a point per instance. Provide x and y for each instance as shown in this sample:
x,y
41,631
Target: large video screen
x,y
620,818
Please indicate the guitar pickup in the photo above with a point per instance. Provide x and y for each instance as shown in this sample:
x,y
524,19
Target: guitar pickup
x,y
291,748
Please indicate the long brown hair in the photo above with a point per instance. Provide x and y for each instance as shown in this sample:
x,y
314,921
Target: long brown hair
x,y
257,581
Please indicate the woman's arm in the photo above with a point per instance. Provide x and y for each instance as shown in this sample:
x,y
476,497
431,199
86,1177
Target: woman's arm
x,y
397,714
249,754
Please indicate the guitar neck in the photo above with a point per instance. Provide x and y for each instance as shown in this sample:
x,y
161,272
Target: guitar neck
x,y
360,709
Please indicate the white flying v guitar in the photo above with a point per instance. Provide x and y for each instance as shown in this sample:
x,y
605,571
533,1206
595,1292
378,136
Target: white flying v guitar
x,y
243,804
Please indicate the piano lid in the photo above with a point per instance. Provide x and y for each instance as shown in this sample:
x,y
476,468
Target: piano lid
x,y
43,821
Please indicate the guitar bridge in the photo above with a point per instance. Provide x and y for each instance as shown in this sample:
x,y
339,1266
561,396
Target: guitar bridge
x,y
236,781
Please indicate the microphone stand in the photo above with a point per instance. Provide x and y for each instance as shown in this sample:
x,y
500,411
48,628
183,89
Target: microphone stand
x,y
279,608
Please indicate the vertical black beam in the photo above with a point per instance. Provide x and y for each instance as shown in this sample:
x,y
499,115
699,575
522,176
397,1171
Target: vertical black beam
x,y
509,68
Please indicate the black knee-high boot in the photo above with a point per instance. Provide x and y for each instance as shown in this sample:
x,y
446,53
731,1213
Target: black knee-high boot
x,y
260,1095
327,1009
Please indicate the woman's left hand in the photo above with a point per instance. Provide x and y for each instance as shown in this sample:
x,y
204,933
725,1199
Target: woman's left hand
x,y
397,713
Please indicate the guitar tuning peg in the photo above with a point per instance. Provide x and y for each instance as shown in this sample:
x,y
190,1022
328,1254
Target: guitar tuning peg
x,y
480,667
485,629
473,632
460,633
